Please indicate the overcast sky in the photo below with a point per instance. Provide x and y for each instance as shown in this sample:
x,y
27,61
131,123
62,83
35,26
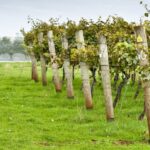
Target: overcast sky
x,y
14,13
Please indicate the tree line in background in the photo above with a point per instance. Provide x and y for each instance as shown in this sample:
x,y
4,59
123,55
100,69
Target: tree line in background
x,y
11,46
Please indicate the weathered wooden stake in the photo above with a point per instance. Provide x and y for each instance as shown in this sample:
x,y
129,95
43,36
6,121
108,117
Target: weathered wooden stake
x,y
105,74
34,67
66,65
84,72
42,59
142,49
52,51
34,72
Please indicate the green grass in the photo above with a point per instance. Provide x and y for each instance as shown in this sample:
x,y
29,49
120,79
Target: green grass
x,y
33,117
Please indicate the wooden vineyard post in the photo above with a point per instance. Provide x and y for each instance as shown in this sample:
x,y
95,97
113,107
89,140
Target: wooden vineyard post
x,y
142,49
34,67
106,81
34,72
42,59
66,65
84,72
52,51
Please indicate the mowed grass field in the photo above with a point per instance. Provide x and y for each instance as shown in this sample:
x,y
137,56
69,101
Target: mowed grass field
x,y
33,117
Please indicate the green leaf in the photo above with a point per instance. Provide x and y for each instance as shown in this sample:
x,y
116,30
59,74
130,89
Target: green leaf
x,y
146,14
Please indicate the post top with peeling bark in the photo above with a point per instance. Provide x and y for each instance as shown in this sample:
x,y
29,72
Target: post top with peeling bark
x,y
79,36
137,27
102,39
50,34
64,41
140,31
64,37
40,37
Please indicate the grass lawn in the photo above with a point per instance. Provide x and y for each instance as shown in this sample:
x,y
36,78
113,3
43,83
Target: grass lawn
x,y
33,117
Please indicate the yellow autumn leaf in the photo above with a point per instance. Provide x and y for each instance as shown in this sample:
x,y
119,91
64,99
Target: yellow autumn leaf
x,y
139,39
